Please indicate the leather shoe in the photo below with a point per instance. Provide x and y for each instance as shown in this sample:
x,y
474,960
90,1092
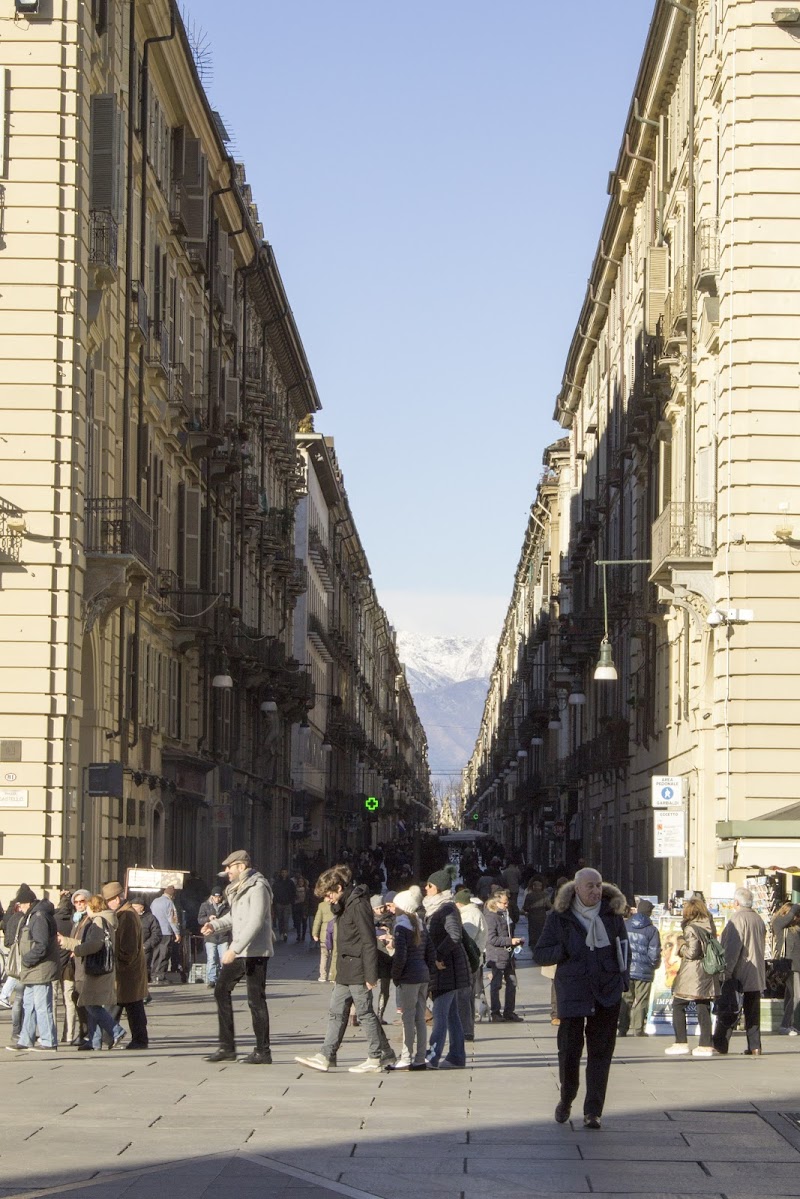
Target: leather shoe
x,y
257,1059
222,1055
513,1018
562,1112
752,1053
137,1045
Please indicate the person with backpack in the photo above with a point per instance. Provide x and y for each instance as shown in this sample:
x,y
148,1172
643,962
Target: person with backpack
x,y
743,940
693,982
645,944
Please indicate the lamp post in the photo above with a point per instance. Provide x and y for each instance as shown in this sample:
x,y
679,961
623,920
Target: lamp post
x,y
605,669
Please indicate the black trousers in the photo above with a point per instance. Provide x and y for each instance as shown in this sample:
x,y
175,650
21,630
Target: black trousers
x,y
254,971
137,1020
601,1035
161,956
726,1022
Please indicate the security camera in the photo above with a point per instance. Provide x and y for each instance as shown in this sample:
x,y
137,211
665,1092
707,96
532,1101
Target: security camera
x,y
715,618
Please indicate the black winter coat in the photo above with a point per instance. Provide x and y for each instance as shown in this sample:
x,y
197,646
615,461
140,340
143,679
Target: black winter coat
x,y
210,911
584,977
10,924
444,930
356,944
151,933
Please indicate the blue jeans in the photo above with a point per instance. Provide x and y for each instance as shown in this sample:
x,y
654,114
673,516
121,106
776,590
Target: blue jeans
x,y
447,1022
101,1021
214,960
37,1009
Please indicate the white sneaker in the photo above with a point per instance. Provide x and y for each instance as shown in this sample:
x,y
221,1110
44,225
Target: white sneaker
x,y
372,1065
788,1032
703,1051
402,1063
316,1062
680,1049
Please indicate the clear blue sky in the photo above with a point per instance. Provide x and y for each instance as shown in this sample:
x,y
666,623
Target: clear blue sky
x,y
432,176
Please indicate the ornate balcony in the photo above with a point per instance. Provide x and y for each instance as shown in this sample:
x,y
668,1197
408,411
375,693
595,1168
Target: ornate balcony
x,y
684,538
103,237
120,528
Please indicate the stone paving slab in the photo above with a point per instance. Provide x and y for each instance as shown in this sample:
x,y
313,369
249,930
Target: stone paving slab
x,y
173,1122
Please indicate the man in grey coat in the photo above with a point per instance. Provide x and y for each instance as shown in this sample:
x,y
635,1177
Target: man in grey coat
x,y
743,939
249,925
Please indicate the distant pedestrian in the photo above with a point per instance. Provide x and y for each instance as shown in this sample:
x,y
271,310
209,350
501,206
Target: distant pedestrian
x,y
500,959
216,944
585,938
131,965
165,912
645,944
692,983
284,893
356,966
249,925
323,918
535,906
743,939
151,933
300,906
474,924
97,992
786,930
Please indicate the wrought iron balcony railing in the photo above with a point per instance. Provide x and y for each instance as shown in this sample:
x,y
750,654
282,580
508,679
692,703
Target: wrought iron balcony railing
x,y
683,534
119,527
103,242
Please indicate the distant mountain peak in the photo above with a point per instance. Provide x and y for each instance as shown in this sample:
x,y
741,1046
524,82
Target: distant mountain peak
x,y
433,662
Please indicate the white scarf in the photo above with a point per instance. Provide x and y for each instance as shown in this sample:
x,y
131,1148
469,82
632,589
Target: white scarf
x,y
596,935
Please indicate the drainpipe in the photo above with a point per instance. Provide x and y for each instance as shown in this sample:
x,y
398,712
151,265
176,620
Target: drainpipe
x,y
140,424
689,13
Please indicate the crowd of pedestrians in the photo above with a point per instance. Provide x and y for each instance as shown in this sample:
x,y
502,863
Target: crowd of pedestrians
x,y
439,945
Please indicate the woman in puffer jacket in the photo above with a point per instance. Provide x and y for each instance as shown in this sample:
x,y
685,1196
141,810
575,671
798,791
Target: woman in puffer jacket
x,y
97,993
692,984
412,964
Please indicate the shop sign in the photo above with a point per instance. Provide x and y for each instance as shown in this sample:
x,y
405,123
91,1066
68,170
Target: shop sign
x,y
154,880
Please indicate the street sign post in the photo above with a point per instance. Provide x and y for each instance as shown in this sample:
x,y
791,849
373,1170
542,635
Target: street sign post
x,y
669,833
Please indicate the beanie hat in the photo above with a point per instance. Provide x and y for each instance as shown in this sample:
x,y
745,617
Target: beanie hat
x,y
405,901
389,897
462,897
376,901
441,880
25,895
81,893
416,894
644,907
111,891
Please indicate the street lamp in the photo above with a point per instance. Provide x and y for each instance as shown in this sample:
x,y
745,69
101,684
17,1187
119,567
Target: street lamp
x,y
605,669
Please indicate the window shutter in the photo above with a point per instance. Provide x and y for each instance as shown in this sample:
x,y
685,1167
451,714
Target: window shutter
x,y
192,509
103,143
655,286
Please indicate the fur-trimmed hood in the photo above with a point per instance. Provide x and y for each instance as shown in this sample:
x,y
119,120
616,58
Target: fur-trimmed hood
x,y
612,898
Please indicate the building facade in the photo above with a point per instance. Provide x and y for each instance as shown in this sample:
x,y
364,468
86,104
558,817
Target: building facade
x,y
666,521
153,382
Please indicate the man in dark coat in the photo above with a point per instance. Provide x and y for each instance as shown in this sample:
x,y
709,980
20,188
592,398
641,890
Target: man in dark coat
x,y
585,938
131,965
356,973
743,939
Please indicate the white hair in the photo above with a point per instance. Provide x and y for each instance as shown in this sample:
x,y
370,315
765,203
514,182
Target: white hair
x,y
589,873
744,897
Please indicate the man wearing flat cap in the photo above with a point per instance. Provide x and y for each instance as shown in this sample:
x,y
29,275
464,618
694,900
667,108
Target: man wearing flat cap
x,y
248,928
131,964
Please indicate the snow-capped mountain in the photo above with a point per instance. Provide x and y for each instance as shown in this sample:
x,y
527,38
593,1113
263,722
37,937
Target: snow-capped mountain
x,y
433,662
449,678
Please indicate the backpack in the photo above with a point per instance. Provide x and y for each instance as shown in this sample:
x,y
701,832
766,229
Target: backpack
x,y
103,960
471,949
714,957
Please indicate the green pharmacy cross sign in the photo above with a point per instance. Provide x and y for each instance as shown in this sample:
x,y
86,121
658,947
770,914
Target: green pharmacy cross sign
x,y
371,803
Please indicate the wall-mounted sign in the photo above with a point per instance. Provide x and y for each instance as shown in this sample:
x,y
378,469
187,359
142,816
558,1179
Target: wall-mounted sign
x,y
10,777
669,833
11,798
667,791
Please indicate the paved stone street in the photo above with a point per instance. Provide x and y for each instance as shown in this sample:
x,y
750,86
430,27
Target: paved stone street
x,y
167,1123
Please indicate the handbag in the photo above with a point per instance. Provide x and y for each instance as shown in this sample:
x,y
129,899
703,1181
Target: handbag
x,y
777,971
13,963
102,961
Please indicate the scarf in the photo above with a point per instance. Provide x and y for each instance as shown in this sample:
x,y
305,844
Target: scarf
x,y
596,935
432,903
233,888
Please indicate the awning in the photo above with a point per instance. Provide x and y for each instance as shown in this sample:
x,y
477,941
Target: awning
x,y
759,853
